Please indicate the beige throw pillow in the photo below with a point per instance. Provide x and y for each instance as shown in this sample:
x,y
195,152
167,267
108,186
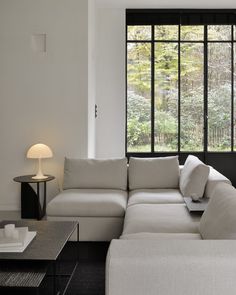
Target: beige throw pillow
x,y
193,177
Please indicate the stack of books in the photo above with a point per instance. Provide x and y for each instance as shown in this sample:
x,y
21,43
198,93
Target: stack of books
x,y
15,241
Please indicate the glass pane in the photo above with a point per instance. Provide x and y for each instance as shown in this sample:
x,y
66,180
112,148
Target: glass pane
x,y
219,96
139,33
192,101
166,32
139,97
166,97
190,33
220,32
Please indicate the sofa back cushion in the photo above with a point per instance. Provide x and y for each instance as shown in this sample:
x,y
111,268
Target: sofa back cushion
x,y
162,172
95,173
219,219
214,178
193,177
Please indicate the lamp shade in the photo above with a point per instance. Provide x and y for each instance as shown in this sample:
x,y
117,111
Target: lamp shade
x,y
39,151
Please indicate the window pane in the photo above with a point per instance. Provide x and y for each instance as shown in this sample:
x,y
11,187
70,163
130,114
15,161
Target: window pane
x,y
166,32
139,33
219,97
139,97
166,97
219,32
192,101
190,33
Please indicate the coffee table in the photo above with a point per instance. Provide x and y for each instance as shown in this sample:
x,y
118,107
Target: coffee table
x,y
28,269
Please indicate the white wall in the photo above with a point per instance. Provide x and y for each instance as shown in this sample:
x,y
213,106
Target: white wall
x,y
110,74
110,82
91,78
49,97
43,96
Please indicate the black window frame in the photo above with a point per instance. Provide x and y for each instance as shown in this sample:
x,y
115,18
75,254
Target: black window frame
x,y
180,17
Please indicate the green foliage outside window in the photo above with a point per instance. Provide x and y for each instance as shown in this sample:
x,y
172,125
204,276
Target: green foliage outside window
x,y
166,90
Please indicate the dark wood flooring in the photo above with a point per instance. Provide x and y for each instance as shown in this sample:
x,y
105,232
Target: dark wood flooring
x,y
89,275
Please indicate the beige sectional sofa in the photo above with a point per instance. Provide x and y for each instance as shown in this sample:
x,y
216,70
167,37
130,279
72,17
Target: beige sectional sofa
x,y
165,250
156,205
157,246
196,260
171,267
96,193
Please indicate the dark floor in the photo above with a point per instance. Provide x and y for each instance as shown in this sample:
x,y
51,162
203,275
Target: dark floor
x,y
88,277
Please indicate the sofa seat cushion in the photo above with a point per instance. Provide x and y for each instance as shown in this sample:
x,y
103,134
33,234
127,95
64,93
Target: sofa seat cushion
x,y
161,236
94,229
155,196
160,218
148,267
89,203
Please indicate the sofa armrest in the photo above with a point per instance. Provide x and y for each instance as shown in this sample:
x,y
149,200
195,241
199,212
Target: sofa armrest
x,y
213,179
204,267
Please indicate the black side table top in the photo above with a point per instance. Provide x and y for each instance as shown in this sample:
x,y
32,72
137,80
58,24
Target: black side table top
x,y
29,179
196,207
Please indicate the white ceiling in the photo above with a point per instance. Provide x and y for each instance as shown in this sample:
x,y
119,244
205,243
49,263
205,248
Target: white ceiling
x,y
166,3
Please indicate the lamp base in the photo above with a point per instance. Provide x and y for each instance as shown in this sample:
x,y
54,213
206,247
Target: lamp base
x,y
39,174
39,177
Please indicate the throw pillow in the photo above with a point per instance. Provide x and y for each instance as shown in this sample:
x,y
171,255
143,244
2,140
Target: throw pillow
x,y
193,177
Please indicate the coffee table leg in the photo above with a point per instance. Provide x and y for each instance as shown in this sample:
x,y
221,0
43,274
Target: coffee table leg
x,y
54,277
78,242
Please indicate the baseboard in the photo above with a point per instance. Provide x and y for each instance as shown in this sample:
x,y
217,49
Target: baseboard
x,y
9,207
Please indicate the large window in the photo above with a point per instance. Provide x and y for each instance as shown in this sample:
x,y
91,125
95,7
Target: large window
x,y
180,82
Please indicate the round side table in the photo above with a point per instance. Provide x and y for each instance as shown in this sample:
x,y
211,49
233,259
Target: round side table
x,y
30,200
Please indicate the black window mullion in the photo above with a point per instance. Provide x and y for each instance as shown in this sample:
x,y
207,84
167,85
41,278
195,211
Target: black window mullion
x,y
190,18
153,92
205,83
179,91
232,88
126,91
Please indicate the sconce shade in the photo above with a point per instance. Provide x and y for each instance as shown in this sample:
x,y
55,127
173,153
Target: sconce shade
x,y
39,151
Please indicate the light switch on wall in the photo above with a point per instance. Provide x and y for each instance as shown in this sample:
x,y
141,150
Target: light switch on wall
x,y
38,42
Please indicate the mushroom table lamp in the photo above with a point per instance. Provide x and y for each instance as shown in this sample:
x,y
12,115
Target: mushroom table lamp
x,y
39,151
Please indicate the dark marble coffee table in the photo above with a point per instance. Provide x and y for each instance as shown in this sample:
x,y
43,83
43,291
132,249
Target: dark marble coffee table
x,y
28,269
